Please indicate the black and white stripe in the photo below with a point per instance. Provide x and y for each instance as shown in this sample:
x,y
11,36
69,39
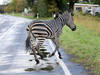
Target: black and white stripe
x,y
51,29
47,29
40,31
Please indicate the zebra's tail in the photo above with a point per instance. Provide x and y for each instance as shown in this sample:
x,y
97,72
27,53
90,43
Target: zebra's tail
x,y
28,43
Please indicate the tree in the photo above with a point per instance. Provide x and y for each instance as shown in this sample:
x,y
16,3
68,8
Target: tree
x,y
12,6
96,1
62,4
20,5
71,4
52,6
93,1
16,6
42,8
30,3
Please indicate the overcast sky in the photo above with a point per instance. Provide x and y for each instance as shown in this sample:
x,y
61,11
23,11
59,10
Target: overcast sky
x,y
1,1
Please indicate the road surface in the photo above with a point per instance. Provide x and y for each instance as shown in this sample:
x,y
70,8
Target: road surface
x,y
13,58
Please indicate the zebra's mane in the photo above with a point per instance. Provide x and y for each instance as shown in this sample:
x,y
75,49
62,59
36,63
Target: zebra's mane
x,y
60,13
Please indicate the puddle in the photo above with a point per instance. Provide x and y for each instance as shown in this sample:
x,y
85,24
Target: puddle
x,y
30,60
30,69
46,68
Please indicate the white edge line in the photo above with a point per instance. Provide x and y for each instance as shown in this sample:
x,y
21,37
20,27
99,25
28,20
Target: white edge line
x,y
8,30
62,64
3,35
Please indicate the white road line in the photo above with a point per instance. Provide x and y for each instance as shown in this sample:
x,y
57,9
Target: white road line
x,y
5,33
62,64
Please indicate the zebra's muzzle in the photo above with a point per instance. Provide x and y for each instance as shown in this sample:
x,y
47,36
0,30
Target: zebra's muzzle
x,y
73,29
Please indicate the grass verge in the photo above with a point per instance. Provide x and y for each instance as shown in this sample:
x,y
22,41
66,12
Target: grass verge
x,y
83,44
25,16
19,15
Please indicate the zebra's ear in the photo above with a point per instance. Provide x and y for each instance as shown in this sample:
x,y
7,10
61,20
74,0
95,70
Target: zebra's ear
x,y
60,12
56,15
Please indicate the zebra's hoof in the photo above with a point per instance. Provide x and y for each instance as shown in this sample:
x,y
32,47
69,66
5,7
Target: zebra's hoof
x,y
41,57
60,57
37,61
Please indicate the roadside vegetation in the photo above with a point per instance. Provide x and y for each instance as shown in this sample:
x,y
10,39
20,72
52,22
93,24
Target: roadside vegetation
x,y
26,16
19,15
84,43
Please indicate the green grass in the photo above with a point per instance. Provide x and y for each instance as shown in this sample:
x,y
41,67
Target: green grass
x,y
19,15
84,43
29,17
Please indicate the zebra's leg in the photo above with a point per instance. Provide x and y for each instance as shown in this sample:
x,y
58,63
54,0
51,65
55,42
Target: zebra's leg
x,y
38,50
33,40
34,52
40,42
56,42
59,54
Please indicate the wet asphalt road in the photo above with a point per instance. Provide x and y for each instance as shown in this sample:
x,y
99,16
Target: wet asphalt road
x,y
13,58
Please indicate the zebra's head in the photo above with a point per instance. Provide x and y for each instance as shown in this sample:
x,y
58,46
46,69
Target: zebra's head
x,y
69,20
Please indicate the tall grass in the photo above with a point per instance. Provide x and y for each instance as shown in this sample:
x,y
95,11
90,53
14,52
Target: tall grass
x,y
91,22
84,43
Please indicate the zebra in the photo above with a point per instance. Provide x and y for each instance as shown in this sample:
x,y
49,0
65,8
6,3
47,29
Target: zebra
x,y
48,29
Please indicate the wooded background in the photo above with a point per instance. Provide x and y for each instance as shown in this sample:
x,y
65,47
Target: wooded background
x,y
45,8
